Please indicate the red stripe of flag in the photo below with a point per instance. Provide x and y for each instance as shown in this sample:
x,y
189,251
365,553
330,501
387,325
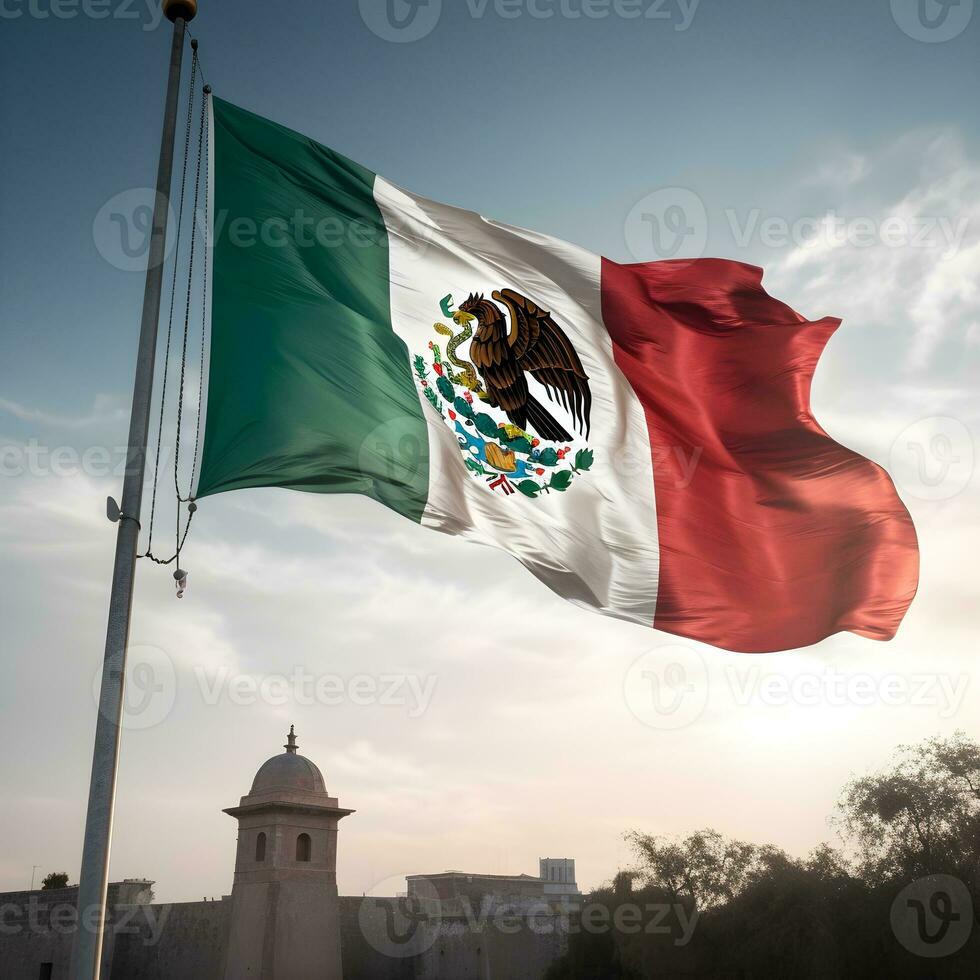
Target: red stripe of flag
x,y
772,535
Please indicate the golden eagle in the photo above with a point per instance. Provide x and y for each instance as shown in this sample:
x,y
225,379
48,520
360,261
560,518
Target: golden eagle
x,y
533,345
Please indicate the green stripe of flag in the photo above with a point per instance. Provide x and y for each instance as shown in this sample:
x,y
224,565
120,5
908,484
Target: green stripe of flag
x,y
309,388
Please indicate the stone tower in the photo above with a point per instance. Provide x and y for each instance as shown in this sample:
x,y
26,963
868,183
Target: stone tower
x,y
558,875
284,917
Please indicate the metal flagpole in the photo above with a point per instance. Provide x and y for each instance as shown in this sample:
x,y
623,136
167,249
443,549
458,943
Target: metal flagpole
x,y
94,878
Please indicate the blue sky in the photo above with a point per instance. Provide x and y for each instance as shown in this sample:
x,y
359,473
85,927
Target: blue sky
x,y
812,117
747,96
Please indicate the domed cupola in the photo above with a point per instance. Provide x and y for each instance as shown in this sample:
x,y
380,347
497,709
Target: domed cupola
x,y
288,772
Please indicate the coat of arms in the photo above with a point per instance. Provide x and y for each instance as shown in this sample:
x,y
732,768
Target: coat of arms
x,y
508,437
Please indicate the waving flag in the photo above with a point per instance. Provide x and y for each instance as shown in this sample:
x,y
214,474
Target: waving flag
x,y
639,436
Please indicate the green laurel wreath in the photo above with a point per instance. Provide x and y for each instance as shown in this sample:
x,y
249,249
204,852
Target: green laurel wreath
x,y
490,429
562,480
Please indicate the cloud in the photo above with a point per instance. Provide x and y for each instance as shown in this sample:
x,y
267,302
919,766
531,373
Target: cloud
x,y
844,169
907,264
51,516
105,410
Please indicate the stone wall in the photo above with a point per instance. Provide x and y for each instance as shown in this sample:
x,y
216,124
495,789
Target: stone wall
x,y
37,928
184,941
381,939
23,953
386,939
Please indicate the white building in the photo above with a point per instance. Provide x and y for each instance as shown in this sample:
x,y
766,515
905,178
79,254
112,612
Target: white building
x,y
558,876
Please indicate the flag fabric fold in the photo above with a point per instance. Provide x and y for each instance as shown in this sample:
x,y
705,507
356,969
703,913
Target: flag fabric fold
x,y
772,535
639,436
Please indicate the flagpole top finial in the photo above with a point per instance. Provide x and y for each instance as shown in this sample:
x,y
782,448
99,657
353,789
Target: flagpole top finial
x,y
290,745
185,9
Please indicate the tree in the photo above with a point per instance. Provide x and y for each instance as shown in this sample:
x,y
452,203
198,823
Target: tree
x,y
705,867
740,911
919,817
57,879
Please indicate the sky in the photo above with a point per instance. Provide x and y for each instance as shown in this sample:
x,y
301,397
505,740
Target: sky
x,y
835,144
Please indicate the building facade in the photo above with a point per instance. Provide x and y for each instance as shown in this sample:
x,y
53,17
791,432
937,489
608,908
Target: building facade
x,y
284,919
558,876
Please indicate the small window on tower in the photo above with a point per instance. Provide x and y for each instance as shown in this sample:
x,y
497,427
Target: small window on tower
x,y
303,847
260,847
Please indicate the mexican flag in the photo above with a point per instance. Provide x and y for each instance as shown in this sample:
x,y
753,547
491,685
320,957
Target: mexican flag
x,y
638,436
